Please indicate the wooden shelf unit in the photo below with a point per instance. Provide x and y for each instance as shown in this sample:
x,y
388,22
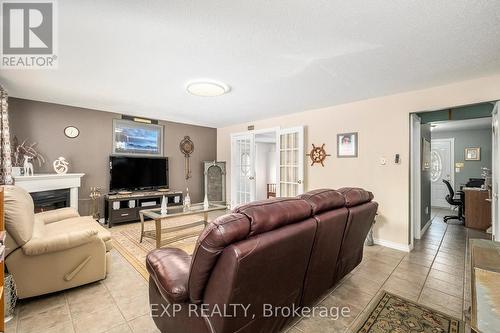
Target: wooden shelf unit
x,y
120,208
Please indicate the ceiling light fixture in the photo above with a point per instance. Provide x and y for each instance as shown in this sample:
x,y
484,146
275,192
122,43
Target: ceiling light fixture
x,y
207,88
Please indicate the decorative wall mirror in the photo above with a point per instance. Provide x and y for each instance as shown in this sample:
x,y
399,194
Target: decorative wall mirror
x,y
215,181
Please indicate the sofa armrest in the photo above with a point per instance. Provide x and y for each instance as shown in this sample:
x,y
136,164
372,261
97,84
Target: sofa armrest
x,y
55,215
169,269
42,245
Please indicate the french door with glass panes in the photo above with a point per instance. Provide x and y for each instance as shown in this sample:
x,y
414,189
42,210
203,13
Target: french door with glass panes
x,y
291,173
242,169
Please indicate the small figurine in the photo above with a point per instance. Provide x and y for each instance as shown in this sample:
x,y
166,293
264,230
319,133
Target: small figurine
x,y
27,166
61,165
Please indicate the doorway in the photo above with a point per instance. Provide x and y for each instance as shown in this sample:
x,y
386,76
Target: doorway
x,y
454,145
267,163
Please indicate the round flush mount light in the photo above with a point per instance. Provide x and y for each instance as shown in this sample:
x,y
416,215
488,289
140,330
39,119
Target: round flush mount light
x,y
206,88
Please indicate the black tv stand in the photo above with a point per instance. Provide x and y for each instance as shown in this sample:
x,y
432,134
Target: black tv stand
x,y
120,208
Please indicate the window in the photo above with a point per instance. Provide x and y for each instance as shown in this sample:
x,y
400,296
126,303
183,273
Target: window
x,y
436,166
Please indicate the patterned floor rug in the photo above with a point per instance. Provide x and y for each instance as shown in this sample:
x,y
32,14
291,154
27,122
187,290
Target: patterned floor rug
x,y
391,313
126,239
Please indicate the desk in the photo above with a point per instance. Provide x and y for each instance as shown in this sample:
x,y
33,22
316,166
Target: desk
x,y
477,208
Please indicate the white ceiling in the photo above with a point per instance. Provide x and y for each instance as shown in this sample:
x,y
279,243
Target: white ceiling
x,y
460,125
135,57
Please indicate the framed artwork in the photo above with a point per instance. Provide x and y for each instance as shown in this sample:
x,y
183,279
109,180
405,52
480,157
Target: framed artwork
x,y
347,144
134,138
473,154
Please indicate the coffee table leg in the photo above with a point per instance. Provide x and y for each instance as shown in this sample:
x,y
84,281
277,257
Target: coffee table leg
x,y
142,226
205,218
158,233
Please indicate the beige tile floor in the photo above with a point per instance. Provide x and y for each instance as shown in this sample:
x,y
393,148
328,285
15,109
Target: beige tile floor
x,y
432,274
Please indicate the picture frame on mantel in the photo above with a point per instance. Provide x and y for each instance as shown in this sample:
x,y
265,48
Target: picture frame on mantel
x,y
347,144
136,138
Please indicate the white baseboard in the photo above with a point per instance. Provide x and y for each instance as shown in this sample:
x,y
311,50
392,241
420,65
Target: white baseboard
x,y
426,226
393,245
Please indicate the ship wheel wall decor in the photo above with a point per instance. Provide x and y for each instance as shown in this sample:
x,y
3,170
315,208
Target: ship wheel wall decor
x,y
318,154
187,147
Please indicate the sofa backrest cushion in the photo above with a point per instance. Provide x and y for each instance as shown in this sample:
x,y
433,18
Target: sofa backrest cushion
x,y
219,234
355,196
267,215
323,199
359,222
322,268
268,268
19,214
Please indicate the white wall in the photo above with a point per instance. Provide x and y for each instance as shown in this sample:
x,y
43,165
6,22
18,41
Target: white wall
x,y
383,126
265,168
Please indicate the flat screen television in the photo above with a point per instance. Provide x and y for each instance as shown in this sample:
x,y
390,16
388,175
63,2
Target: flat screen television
x,y
138,173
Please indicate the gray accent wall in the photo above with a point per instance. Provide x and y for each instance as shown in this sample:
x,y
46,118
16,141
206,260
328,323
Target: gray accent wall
x,y
466,139
89,152
425,183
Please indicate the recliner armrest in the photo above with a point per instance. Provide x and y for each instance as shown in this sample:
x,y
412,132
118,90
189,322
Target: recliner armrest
x,y
55,215
42,245
169,269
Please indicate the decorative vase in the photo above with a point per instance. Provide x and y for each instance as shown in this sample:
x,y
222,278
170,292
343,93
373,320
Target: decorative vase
x,y
16,171
205,202
187,199
163,209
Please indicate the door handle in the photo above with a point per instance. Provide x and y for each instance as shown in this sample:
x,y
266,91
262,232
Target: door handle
x,y
251,177
299,181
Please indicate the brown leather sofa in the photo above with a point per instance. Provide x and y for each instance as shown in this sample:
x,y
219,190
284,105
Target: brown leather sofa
x,y
265,255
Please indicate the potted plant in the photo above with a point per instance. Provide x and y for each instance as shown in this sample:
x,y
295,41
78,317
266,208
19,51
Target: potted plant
x,y
19,151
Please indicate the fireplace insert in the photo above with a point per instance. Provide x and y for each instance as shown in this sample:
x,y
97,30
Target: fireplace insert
x,y
49,200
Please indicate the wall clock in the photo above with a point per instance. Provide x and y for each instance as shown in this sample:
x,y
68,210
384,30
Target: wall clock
x,y
71,132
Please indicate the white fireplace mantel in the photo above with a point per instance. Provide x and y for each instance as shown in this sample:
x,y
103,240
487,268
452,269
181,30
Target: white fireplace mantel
x,y
52,181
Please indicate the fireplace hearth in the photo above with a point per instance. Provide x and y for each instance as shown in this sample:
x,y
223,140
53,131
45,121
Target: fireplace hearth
x,y
49,200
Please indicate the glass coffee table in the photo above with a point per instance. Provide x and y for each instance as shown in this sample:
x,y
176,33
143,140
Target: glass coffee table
x,y
173,212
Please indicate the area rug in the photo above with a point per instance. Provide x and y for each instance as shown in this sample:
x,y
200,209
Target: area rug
x,y
391,313
126,239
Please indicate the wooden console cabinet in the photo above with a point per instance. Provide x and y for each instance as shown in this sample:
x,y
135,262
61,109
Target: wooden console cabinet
x,y
119,208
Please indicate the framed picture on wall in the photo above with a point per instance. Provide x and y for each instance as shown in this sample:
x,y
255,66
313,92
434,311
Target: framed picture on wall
x,y
347,144
473,154
134,138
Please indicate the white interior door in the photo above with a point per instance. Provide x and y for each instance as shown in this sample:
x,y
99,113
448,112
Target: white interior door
x,y
442,161
242,169
291,162
415,176
496,174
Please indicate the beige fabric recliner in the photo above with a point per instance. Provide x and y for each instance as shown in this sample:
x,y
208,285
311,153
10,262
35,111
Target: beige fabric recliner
x,y
53,250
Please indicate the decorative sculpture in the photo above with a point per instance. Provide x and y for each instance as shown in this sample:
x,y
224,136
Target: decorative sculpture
x,y
95,194
187,148
61,165
215,181
28,166
318,154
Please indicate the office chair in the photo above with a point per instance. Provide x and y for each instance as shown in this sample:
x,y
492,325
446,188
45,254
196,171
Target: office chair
x,y
454,202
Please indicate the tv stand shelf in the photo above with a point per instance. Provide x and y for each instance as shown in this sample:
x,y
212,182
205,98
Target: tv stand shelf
x,y
120,208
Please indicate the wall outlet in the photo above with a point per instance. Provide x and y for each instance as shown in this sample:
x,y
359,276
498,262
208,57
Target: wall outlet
x,y
383,161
